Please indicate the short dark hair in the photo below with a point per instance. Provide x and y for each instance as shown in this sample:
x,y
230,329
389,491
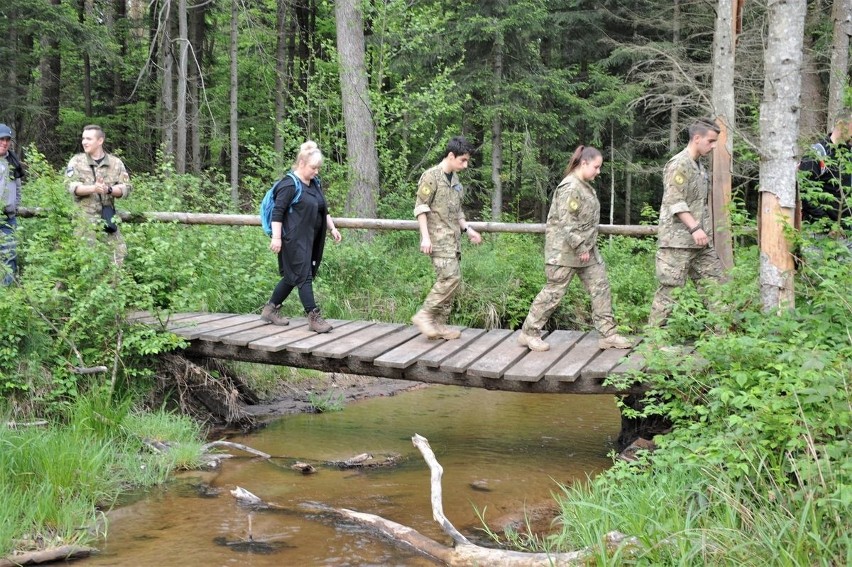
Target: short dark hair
x,y
458,146
703,125
96,128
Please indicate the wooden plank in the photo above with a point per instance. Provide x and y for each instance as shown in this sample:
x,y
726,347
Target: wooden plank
x,y
600,367
568,368
499,359
634,361
243,338
407,353
484,343
434,357
160,317
377,348
192,328
341,329
245,323
533,366
279,341
354,341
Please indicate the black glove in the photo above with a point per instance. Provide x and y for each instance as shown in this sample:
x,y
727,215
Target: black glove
x,y
10,210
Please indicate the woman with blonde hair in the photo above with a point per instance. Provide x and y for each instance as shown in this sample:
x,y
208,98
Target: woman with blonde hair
x,y
571,237
298,237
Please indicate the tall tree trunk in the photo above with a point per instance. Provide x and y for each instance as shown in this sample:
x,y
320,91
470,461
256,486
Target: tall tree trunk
x,y
362,155
197,34
50,69
839,70
234,114
87,64
497,134
281,82
180,119
122,36
724,107
674,115
167,102
779,130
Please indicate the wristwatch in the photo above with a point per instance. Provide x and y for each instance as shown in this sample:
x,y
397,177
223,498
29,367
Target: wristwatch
x,y
109,189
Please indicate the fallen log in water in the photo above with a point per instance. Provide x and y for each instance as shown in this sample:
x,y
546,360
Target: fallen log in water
x,y
62,553
463,553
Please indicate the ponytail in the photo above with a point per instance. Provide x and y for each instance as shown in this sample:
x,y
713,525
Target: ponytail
x,y
581,154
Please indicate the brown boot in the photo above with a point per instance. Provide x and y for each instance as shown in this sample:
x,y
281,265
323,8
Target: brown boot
x,y
447,333
270,314
425,324
316,323
615,341
533,342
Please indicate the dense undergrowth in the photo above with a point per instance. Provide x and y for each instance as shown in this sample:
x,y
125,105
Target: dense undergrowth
x,y
756,471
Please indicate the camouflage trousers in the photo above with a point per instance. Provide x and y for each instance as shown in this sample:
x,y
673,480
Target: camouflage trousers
x,y
674,265
545,303
439,301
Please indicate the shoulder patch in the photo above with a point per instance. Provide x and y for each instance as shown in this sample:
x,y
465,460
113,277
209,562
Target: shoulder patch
x,y
573,205
425,190
69,171
679,178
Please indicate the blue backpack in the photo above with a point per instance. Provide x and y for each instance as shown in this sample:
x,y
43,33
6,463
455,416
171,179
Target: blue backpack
x,y
268,202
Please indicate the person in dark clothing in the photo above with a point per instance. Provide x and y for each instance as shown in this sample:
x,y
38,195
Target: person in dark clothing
x,y
298,237
825,165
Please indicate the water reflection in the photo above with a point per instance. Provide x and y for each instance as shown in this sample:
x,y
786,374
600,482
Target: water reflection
x,y
500,452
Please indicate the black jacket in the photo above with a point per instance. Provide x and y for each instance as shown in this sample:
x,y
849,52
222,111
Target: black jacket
x,y
821,163
303,232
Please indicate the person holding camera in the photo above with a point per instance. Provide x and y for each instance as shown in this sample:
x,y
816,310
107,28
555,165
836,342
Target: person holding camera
x,y
96,179
11,176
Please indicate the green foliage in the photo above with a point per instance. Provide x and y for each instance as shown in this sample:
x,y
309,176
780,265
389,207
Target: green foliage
x,y
327,402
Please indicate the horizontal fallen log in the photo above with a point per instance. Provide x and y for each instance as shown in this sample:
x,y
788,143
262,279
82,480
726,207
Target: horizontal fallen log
x,y
17,424
237,446
62,553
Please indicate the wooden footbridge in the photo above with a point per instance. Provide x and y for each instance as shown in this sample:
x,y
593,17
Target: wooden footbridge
x,y
480,358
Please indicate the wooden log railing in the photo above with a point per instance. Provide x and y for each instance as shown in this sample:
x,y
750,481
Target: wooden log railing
x,y
351,223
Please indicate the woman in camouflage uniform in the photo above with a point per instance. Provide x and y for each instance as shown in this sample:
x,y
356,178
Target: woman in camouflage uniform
x,y
571,248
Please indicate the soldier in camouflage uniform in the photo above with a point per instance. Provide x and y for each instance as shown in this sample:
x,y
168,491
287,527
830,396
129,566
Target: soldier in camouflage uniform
x,y
96,179
571,248
439,213
686,229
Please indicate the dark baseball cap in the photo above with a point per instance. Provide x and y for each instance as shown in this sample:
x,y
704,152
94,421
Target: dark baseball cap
x,y
5,131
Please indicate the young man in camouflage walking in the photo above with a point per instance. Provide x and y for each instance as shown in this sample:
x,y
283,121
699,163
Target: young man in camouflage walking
x,y
439,213
686,229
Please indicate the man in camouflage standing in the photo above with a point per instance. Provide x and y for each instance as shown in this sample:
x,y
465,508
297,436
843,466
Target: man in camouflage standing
x,y
11,177
96,179
439,213
686,228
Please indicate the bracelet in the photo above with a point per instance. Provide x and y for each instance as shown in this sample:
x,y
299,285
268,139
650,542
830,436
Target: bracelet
x,y
695,229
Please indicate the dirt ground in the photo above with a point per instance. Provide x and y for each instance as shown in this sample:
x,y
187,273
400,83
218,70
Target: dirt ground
x,y
347,387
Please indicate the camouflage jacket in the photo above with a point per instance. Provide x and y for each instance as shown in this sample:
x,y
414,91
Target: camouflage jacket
x,y
572,224
79,172
686,186
441,200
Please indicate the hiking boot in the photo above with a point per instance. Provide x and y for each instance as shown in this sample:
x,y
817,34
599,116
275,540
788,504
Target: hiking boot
x,y
425,324
447,333
316,323
615,341
533,342
270,314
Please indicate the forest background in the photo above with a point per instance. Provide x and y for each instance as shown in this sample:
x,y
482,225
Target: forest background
x,y
207,102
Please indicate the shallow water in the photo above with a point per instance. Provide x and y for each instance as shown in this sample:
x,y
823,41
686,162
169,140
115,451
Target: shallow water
x,y
500,452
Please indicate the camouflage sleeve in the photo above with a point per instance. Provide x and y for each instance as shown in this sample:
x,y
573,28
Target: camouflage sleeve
x,y
72,176
426,188
674,192
124,177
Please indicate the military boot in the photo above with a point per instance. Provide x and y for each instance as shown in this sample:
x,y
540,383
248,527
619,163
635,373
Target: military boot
x,y
271,314
615,341
316,323
533,342
447,333
425,324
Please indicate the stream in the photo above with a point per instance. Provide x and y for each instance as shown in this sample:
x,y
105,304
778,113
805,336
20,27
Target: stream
x,y
502,453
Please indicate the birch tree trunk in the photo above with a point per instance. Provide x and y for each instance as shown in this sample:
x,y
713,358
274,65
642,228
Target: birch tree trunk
x,y
497,134
779,130
361,150
725,110
235,142
839,70
180,123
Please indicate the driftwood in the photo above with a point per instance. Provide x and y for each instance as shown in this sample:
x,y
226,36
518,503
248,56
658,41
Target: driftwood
x,y
88,370
463,553
238,446
62,553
